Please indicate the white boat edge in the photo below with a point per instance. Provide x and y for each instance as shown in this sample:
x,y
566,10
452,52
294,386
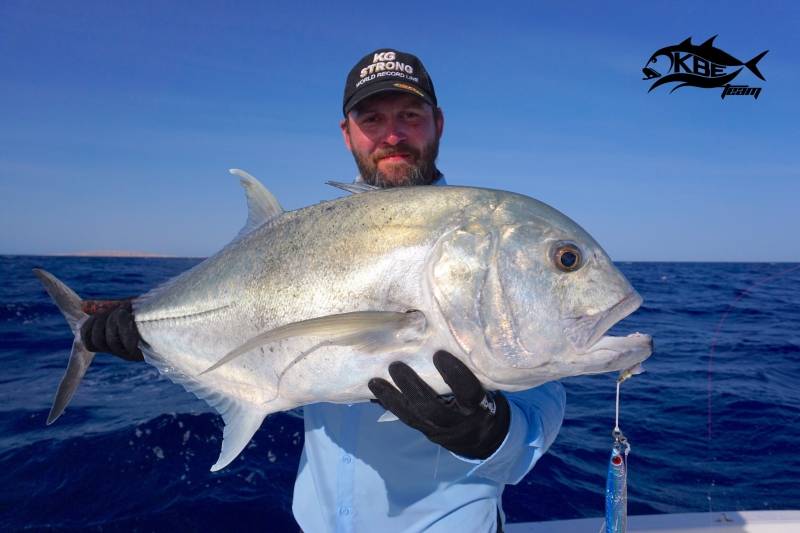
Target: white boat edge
x,y
714,522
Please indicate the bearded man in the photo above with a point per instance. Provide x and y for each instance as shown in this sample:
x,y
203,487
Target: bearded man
x,y
444,468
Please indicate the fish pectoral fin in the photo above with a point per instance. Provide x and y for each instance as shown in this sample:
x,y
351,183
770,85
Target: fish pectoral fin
x,y
261,204
353,188
366,330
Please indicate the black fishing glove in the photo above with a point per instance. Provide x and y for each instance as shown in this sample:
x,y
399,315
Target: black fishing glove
x,y
471,422
113,331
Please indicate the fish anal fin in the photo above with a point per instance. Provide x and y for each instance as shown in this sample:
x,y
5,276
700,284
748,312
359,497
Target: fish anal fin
x,y
261,204
367,330
241,423
242,419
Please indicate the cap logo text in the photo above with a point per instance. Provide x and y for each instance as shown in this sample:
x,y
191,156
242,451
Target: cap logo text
x,y
383,62
383,56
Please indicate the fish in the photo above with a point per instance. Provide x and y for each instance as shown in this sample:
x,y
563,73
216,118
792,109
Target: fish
x,y
706,70
306,306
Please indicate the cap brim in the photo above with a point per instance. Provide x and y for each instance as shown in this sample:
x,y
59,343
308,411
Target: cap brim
x,y
385,86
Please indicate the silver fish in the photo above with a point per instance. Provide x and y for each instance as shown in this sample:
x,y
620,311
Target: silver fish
x,y
306,306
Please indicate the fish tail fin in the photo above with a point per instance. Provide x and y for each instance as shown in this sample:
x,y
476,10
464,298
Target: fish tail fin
x,y
80,358
752,64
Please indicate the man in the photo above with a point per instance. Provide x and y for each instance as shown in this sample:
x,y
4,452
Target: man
x,y
444,467
445,470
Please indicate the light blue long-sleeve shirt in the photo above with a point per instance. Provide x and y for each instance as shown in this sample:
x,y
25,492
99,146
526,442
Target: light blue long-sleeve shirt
x,y
357,474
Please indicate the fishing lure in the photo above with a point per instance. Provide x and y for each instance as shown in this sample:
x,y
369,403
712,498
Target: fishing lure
x,y
617,477
617,485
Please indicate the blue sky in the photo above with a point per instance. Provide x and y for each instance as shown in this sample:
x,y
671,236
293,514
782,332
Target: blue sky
x,y
119,120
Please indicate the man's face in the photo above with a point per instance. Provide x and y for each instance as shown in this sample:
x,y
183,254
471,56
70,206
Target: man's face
x,y
394,139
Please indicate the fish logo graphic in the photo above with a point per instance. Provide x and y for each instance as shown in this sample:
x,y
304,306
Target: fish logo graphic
x,y
704,66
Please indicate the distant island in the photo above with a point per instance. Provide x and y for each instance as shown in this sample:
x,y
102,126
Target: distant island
x,y
111,253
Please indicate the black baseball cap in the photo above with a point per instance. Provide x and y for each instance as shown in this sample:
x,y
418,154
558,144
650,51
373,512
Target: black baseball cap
x,y
387,69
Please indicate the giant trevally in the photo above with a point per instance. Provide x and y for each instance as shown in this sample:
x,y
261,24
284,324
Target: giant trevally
x,y
306,306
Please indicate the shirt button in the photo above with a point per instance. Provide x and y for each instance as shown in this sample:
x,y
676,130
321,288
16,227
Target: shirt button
x,y
344,511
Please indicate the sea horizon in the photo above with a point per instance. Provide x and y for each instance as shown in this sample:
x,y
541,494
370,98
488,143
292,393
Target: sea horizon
x,y
148,255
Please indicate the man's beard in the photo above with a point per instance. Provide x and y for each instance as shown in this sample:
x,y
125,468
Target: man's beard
x,y
422,172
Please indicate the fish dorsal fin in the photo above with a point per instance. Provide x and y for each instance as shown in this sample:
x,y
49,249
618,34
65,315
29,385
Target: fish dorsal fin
x,y
261,204
709,43
353,188
687,41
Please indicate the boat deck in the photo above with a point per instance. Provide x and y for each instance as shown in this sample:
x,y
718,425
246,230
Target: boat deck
x,y
717,522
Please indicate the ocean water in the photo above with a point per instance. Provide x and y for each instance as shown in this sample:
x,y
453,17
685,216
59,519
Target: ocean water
x,y
714,422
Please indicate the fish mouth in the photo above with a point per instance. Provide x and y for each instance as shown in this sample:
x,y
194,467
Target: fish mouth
x,y
602,352
618,353
586,331
650,73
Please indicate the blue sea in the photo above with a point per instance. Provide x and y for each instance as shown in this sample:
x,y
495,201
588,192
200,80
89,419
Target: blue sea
x,y
714,422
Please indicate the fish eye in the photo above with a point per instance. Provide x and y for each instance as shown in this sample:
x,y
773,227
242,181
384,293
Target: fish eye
x,y
617,460
567,257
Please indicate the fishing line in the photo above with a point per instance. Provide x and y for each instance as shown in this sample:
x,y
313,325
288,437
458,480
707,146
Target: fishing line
x,y
709,385
616,415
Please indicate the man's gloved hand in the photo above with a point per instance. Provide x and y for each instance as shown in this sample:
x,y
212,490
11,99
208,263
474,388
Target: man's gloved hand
x,y
113,332
471,422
